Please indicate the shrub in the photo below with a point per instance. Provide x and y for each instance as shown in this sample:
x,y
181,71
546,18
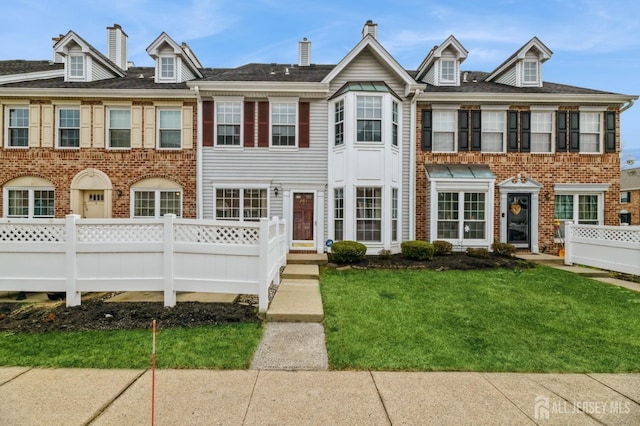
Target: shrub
x,y
347,251
442,247
385,254
417,250
503,249
478,252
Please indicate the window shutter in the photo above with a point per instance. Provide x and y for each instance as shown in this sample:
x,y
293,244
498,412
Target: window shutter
x,y
512,131
47,126
426,130
303,124
463,130
610,128
476,130
561,131
525,131
187,127
263,124
249,124
207,123
574,131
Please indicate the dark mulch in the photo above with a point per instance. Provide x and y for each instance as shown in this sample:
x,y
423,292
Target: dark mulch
x,y
97,314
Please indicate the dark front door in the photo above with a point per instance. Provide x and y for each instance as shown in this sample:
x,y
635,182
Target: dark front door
x,y
303,216
519,220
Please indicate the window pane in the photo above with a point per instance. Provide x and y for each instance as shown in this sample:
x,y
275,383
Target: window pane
x,y
369,114
588,209
43,203
474,215
492,131
228,119
283,119
368,214
76,66
339,123
119,118
563,207
228,204
170,203
589,132
448,70
18,203
69,128
448,215
144,204
255,204
339,214
167,68
394,214
19,127
530,73
119,128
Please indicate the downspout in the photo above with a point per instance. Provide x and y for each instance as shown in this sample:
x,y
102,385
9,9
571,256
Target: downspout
x,y
412,167
199,190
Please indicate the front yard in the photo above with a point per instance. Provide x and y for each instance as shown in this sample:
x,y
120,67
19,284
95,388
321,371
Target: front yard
x,y
532,320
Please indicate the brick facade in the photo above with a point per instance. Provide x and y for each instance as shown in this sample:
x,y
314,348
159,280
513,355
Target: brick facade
x,y
547,169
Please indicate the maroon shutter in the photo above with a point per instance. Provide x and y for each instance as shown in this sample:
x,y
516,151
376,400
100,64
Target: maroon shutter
x,y
303,124
249,124
263,124
207,123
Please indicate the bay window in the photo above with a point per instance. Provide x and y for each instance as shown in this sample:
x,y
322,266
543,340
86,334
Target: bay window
x,y
369,118
368,214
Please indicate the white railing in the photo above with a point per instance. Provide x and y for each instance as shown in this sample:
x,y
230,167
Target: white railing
x,y
171,255
614,248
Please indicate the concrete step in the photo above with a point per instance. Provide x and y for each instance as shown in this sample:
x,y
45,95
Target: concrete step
x,y
541,258
296,300
307,259
302,272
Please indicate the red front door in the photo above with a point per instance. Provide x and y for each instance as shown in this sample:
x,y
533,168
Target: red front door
x,y
303,216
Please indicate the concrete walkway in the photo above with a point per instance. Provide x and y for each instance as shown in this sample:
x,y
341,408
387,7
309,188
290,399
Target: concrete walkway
x,y
250,397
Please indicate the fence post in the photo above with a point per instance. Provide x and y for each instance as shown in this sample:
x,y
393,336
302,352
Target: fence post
x,y
568,243
73,296
263,262
167,260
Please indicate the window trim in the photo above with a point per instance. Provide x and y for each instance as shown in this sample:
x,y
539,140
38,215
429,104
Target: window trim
x,y
241,198
576,190
338,213
70,68
483,114
58,128
339,120
287,101
381,119
174,68
627,199
156,201
453,110
218,102
552,134
8,127
379,208
443,80
159,128
601,131
31,201
110,108
536,81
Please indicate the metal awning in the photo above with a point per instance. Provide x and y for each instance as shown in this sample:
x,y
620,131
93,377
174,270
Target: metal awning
x,y
458,171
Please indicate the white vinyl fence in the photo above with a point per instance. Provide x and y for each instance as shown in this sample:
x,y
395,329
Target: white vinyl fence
x,y
614,248
75,255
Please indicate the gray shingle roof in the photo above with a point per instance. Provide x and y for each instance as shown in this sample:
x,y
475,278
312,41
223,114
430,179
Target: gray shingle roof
x,y
269,72
630,179
22,66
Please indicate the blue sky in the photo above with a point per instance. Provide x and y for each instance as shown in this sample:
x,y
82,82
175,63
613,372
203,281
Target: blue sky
x,y
596,44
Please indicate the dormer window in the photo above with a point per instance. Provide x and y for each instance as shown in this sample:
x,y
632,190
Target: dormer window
x,y
447,71
76,67
167,68
530,72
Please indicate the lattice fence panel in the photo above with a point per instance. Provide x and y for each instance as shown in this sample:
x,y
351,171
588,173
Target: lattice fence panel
x,y
32,233
216,234
606,234
130,233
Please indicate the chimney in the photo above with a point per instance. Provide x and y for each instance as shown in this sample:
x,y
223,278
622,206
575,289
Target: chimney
x,y
304,53
370,28
117,46
57,58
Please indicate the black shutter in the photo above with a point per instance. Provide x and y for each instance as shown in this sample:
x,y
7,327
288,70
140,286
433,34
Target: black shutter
x,y
512,132
574,131
426,130
463,130
561,133
610,129
476,130
525,131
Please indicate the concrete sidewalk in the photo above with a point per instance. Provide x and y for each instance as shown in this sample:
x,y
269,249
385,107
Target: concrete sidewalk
x,y
250,397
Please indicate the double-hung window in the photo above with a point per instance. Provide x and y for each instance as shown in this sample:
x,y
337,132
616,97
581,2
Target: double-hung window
x,y
68,127
462,220
394,214
169,128
447,71
18,127
30,202
394,123
157,203
283,124
339,122
493,130
338,213
368,214
582,208
369,118
167,68
625,197
228,120
590,125
444,131
541,131
530,72
119,133
248,204
76,67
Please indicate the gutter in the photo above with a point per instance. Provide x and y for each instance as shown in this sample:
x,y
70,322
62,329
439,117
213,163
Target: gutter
x,y
628,105
199,189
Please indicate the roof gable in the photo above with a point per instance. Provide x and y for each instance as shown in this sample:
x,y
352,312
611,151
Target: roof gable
x,y
450,47
72,41
163,42
533,50
369,43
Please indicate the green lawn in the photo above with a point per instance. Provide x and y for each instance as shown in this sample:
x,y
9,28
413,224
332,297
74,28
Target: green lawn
x,y
223,347
536,320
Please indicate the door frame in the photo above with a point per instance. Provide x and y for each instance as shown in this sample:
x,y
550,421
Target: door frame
x,y
316,244
520,184
527,195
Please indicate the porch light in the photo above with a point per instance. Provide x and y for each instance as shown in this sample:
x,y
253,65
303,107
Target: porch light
x,y
275,191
